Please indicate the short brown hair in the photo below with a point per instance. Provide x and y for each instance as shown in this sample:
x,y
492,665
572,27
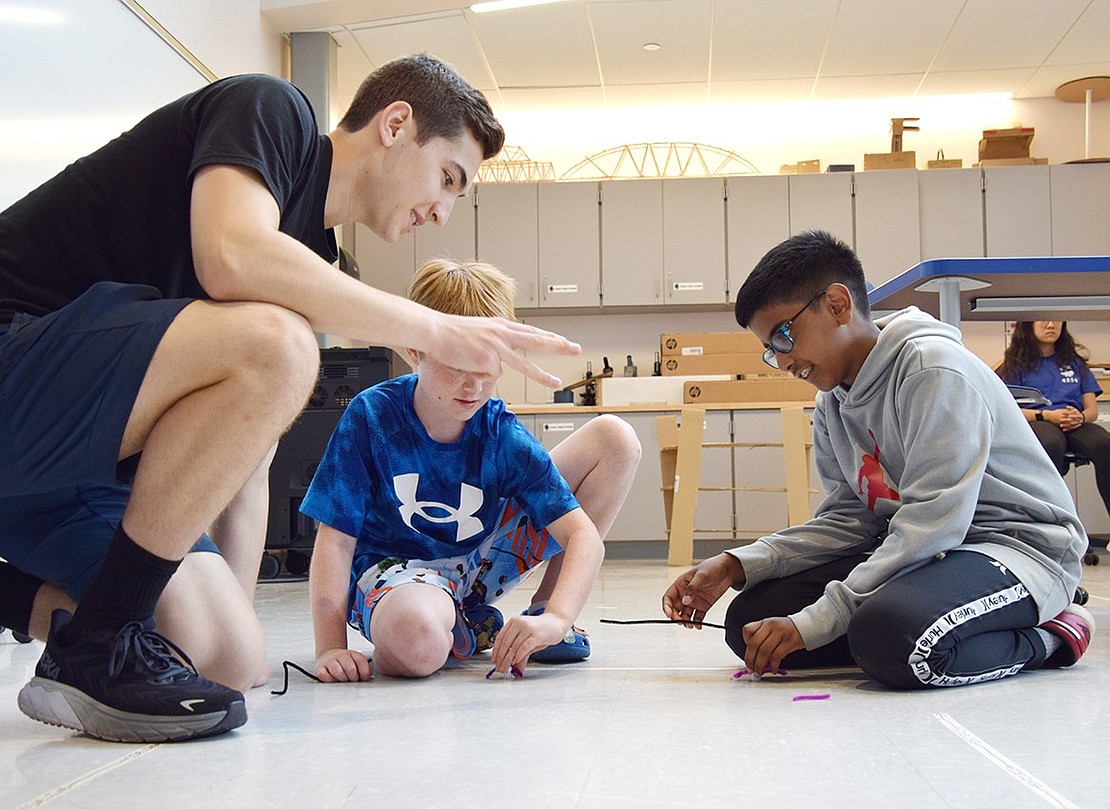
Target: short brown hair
x,y
444,104
464,288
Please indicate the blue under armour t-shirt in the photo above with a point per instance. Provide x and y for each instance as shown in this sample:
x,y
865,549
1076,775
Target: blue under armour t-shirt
x,y
1062,384
384,481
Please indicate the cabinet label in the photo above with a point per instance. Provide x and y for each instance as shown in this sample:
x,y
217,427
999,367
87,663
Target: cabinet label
x,y
688,286
558,427
557,288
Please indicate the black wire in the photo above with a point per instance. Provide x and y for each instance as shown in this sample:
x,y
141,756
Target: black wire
x,y
665,621
286,665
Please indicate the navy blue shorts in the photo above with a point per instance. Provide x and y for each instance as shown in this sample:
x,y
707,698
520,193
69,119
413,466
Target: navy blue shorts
x,y
68,381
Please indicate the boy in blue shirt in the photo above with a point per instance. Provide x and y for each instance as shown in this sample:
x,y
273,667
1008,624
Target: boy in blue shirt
x,y
428,480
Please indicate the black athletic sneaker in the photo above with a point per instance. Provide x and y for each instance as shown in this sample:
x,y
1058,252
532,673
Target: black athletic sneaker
x,y
126,686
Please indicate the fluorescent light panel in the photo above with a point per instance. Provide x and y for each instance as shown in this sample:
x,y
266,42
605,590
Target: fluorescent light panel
x,y
502,5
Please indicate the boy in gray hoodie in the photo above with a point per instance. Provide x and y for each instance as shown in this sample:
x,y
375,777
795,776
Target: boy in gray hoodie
x,y
947,548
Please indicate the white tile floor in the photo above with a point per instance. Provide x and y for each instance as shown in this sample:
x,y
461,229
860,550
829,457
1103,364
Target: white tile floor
x,y
652,719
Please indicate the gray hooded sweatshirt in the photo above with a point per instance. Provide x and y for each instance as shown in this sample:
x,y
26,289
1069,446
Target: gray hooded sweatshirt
x,y
926,454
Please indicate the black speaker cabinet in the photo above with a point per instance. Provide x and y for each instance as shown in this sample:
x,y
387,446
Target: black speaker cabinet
x,y
343,373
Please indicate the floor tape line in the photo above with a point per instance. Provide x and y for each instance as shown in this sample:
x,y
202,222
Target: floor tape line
x,y
1042,789
91,775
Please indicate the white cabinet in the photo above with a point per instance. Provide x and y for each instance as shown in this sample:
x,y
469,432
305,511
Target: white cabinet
x,y
632,242
552,428
1084,491
508,234
762,469
888,223
822,202
454,240
1080,209
694,240
641,518
569,245
662,241
951,203
713,518
1018,211
545,235
388,267
1088,501
759,512
758,219
723,517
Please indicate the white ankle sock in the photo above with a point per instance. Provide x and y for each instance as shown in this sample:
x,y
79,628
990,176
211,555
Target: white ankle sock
x,y
1051,642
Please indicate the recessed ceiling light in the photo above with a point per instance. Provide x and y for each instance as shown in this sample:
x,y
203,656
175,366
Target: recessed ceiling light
x,y
502,5
652,46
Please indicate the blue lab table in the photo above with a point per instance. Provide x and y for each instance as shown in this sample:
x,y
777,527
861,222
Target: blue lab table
x,y
1037,288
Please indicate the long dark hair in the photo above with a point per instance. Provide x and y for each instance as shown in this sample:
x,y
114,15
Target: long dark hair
x,y
1024,352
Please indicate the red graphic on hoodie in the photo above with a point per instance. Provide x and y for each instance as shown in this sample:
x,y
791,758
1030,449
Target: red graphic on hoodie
x,y
871,472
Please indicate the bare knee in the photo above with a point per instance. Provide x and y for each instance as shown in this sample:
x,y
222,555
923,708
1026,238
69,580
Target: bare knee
x,y
232,655
278,352
605,441
410,640
423,652
240,662
618,439
204,611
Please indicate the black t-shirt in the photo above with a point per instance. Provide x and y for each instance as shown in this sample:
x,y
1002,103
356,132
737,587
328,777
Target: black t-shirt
x,y
122,212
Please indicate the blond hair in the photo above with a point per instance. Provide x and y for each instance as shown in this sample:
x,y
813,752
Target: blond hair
x,y
464,288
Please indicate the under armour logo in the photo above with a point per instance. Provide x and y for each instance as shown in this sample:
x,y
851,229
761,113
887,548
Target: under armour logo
x,y
470,500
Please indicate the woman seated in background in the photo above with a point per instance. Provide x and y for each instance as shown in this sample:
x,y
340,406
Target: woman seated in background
x,y
1043,355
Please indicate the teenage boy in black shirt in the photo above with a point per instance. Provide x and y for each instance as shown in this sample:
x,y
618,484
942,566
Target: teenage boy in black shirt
x,y
157,306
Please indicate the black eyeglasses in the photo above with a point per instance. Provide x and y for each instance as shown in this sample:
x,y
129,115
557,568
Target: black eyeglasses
x,y
781,340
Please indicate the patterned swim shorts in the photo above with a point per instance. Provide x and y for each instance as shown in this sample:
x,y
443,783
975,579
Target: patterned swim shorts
x,y
474,580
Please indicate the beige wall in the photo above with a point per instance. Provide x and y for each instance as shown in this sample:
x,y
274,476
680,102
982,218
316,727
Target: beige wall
x,y
228,36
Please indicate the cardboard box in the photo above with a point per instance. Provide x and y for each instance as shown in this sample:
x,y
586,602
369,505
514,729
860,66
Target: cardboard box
x,y
1013,161
801,167
889,160
730,364
1005,143
747,390
694,343
617,391
942,162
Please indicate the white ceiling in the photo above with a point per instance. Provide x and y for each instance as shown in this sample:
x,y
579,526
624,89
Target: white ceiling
x,y
589,53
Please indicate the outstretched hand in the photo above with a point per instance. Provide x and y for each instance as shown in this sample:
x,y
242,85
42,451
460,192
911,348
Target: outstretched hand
x,y
692,594
482,344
